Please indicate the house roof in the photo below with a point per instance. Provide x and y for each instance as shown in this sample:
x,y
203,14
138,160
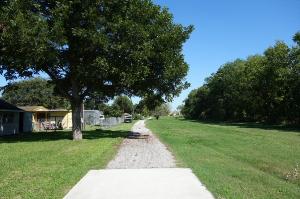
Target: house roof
x,y
5,106
58,110
34,108
41,109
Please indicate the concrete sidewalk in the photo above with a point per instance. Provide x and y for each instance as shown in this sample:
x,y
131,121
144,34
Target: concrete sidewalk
x,y
166,183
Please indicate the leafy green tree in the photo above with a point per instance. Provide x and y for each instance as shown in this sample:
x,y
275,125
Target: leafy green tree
x,y
296,39
33,92
262,88
162,110
179,108
252,98
91,104
106,109
112,111
274,81
141,108
96,46
94,102
123,103
294,83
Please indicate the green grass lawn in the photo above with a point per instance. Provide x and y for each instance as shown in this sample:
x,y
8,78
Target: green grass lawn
x,y
48,165
236,161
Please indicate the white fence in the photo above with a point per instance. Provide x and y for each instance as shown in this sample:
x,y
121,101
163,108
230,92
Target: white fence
x,y
92,117
111,121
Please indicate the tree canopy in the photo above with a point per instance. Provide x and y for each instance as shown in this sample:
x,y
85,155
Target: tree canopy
x,y
94,48
162,110
33,92
123,103
264,88
120,105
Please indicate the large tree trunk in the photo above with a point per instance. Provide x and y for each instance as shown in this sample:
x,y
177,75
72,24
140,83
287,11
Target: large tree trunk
x,y
76,120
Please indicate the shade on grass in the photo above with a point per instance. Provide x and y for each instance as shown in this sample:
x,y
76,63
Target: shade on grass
x,y
237,160
48,165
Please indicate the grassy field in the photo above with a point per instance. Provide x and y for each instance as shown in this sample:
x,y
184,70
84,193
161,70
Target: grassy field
x,y
48,165
237,160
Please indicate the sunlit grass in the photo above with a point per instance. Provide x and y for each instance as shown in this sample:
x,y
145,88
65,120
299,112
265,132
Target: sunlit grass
x,y
237,160
49,164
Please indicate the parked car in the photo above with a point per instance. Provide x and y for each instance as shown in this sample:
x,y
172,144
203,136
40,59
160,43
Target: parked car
x,y
127,117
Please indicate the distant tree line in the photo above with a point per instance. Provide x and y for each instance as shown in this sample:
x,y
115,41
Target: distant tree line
x,y
262,88
123,104
40,92
33,92
149,106
120,105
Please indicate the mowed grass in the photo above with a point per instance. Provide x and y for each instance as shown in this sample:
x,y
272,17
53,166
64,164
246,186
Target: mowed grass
x,y
48,165
236,161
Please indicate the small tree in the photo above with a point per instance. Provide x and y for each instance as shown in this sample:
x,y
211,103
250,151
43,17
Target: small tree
x,y
124,104
129,47
162,110
179,108
141,109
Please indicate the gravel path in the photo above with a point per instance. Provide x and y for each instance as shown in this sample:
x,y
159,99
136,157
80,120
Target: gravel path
x,y
142,149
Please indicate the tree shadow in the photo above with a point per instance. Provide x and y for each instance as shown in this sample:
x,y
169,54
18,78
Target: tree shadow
x,y
62,135
264,126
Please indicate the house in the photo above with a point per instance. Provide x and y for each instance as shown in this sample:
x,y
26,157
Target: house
x,y
13,119
48,119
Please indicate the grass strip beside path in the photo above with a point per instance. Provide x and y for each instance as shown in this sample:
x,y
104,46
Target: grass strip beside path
x,y
236,161
48,165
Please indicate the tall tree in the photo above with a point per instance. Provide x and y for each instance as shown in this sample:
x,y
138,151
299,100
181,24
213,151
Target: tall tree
x,y
294,82
111,47
33,92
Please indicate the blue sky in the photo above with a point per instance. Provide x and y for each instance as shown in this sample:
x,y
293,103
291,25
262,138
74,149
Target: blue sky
x,y
226,30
